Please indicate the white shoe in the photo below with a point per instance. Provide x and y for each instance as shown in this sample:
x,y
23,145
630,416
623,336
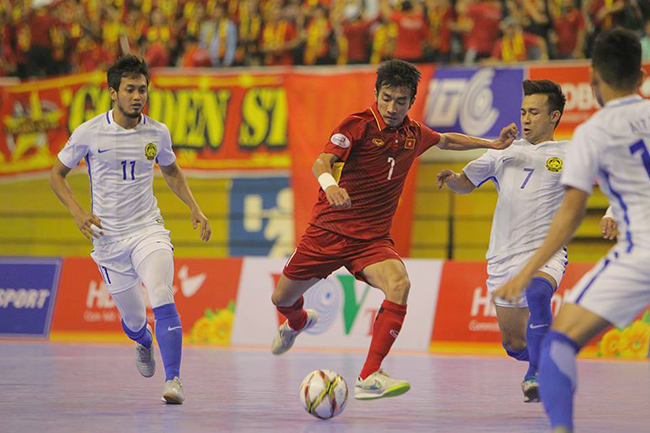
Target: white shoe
x,y
173,392
144,359
379,385
286,336
530,387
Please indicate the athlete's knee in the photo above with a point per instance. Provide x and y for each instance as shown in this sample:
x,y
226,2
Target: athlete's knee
x,y
282,298
160,294
513,343
398,290
134,320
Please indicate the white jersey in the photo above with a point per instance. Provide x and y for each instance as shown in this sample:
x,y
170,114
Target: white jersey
x,y
527,178
120,166
613,149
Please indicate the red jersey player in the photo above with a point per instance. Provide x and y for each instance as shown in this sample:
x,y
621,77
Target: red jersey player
x,y
350,223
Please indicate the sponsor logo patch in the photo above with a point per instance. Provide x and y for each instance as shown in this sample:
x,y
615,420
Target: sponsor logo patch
x,y
340,140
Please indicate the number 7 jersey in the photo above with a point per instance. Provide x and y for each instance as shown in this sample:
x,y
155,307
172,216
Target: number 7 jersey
x,y
120,166
376,160
527,178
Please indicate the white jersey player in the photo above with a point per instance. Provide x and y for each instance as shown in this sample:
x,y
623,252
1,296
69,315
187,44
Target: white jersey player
x,y
527,178
131,245
613,148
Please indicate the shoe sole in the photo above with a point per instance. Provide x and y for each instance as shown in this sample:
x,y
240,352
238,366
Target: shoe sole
x,y
532,395
153,371
172,399
392,392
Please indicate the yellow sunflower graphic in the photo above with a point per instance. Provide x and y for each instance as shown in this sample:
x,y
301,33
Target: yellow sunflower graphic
x,y
609,345
215,327
634,340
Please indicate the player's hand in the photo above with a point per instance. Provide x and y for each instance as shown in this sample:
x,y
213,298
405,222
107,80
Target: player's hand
x,y
88,224
609,228
511,291
506,137
444,176
338,197
198,219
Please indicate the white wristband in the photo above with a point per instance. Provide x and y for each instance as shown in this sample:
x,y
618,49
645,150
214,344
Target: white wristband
x,y
326,180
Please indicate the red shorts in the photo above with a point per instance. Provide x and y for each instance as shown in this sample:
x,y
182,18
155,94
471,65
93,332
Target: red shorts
x,y
321,252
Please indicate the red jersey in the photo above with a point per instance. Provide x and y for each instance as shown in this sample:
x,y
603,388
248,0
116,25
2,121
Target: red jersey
x,y
485,32
376,159
411,33
567,28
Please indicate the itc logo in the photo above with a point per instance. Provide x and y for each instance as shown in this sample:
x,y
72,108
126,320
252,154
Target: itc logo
x,y
468,102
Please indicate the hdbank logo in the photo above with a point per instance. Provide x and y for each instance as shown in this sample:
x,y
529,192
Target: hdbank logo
x,y
334,296
474,101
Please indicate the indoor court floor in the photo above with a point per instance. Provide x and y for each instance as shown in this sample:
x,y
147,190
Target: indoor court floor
x,y
58,387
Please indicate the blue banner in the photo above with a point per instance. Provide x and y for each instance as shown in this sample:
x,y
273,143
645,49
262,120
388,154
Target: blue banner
x,y
27,295
474,101
261,217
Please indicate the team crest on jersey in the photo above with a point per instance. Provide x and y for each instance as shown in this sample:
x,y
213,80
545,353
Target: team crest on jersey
x,y
377,142
554,164
150,151
410,143
340,140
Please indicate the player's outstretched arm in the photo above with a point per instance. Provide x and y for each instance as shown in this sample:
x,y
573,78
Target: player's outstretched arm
x,y
609,226
178,184
565,223
338,197
457,182
88,224
456,141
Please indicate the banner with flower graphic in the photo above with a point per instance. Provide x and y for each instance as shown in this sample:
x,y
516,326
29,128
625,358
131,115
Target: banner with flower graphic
x,y
631,342
205,292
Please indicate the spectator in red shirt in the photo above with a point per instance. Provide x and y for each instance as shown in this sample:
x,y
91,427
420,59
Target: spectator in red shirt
x,y
353,35
569,32
316,37
479,21
439,17
517,45
279,38
411,29
194,56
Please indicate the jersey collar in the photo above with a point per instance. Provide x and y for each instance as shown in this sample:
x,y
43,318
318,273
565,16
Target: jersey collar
x,y
381,124
630,99
111,121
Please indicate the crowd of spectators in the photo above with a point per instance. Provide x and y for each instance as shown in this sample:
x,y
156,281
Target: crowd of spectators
x,y
50,37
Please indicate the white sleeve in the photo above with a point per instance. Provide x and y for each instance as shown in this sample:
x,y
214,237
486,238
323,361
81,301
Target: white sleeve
x,y
582,161
166,155
609,213
75,149
481,169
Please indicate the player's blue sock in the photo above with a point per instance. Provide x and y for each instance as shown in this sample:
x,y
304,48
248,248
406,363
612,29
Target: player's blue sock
x,y
169,334
557,378
519,355
142,336
538,293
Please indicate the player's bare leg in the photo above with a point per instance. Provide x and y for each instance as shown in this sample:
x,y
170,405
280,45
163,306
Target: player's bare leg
x,y
574,327
287,297
512,323
391,277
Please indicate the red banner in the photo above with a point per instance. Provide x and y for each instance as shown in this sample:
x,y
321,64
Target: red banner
x,y
575,80
465,313
315,113
205,298
216,121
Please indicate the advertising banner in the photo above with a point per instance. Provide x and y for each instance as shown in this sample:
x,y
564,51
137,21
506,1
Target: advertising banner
x,y
233,122
261,217
465,312
28,289
575,80
346,307
474,101
205,294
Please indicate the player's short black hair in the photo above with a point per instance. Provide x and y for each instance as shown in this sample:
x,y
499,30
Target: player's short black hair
x,y
617,58
398,73
556,98
126,66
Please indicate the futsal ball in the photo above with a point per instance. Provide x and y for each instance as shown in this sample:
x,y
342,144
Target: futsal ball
x,y
323,393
